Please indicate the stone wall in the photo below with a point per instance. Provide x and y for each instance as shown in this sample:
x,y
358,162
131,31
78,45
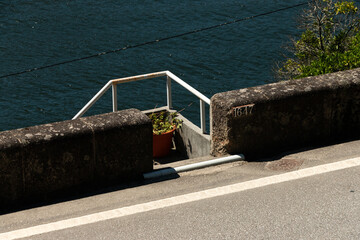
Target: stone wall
x,y
98,150
266,120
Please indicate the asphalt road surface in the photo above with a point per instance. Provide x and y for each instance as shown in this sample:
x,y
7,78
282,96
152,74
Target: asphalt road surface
x,y
312,194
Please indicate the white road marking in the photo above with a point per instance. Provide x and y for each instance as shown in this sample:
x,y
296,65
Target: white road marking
x,y
186,198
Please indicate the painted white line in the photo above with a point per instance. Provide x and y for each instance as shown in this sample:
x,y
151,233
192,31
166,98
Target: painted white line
x,y
186,198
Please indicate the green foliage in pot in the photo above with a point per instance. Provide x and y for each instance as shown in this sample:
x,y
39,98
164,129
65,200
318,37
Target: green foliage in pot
x,y
164,121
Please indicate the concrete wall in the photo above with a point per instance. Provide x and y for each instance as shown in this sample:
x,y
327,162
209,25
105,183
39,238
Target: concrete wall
x,y
266,120
190,141
38,161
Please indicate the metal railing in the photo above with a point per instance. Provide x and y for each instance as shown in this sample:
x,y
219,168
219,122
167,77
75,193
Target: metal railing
x,y
170,76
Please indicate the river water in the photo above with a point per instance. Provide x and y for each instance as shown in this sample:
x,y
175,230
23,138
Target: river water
x,y
43,32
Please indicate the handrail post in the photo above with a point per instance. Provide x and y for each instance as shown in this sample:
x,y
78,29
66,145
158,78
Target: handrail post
x,y
169,77
202,116
168,92
114,97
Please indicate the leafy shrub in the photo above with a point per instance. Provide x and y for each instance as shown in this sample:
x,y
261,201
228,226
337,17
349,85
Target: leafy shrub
x,y
330,42
164,121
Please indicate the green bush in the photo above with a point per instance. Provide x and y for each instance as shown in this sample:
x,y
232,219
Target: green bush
x,y
164,121
330,42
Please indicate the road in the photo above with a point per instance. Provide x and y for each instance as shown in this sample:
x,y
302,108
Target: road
x,y
312,194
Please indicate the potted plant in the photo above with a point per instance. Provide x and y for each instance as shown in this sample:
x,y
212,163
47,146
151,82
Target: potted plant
x,y
164,124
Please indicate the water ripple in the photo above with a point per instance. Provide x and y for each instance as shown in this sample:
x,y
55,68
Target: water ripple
x,y
36,33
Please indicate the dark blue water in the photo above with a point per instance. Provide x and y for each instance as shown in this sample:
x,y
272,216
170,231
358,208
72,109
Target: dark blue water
x,y
42,32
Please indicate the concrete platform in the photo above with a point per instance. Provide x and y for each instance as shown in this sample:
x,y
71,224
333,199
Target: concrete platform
x,y
287,161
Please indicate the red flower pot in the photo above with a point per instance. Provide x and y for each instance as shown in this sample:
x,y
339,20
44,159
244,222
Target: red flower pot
x,y
162,143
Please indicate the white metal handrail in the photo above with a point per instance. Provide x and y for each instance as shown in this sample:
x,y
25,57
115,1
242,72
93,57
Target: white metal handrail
x,y
170,76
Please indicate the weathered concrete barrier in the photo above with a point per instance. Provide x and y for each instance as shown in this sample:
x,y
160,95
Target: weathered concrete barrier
x,y
190,141
38,161
266,120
